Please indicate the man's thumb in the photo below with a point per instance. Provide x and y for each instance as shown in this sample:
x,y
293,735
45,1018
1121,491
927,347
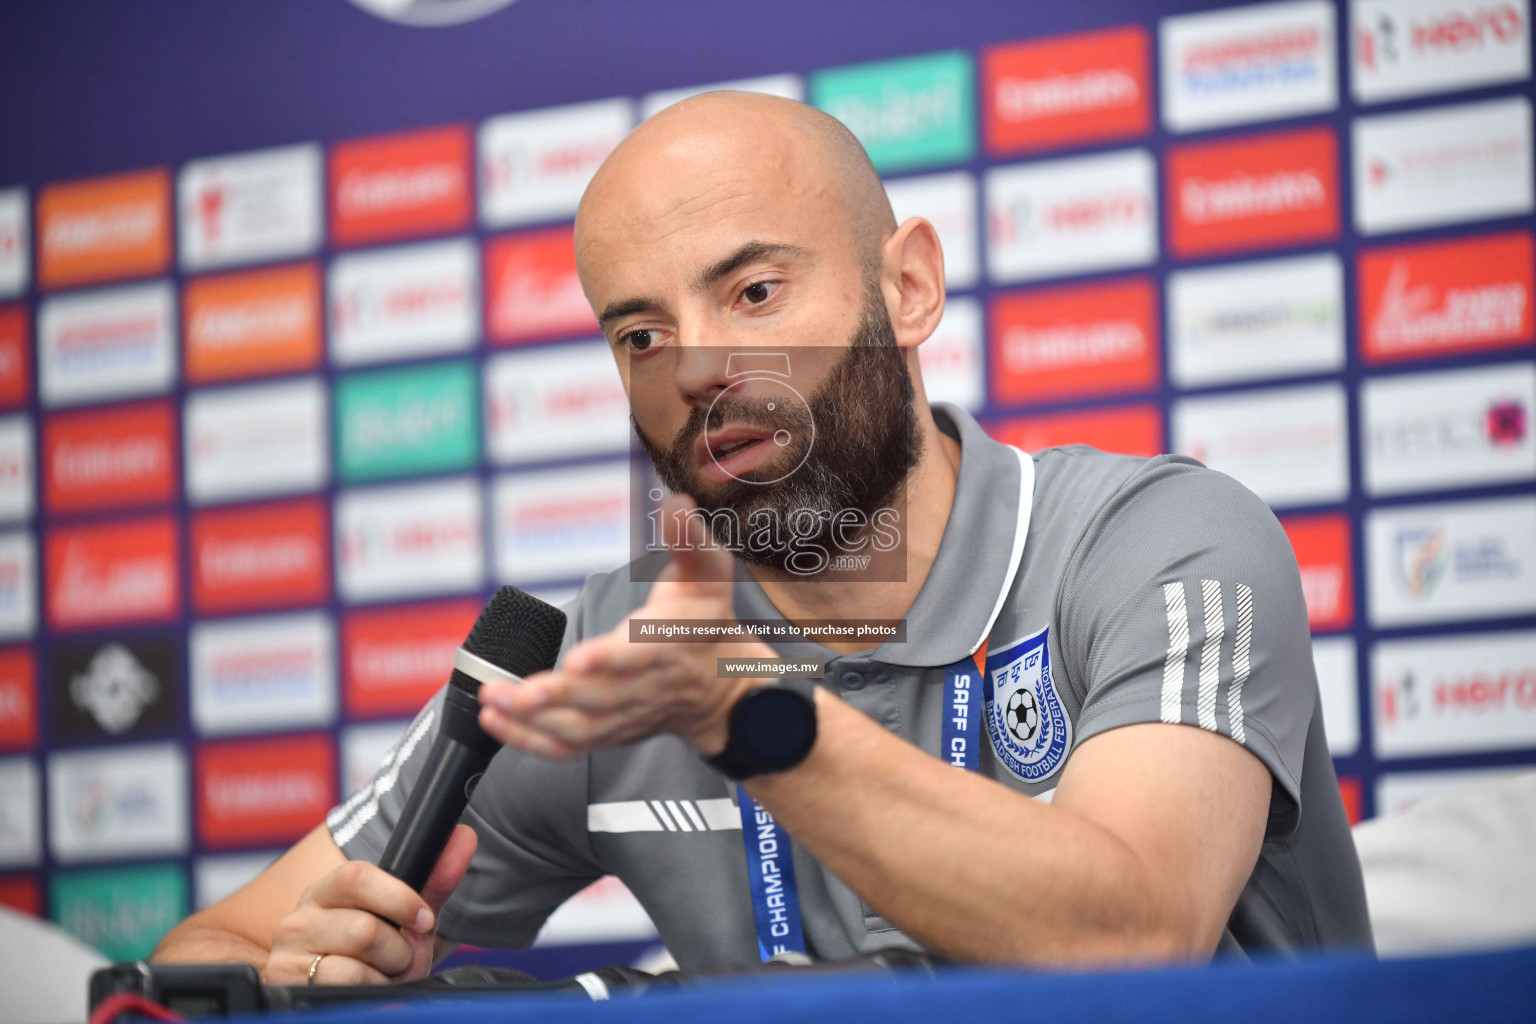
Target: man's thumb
x,y
450,867
696,555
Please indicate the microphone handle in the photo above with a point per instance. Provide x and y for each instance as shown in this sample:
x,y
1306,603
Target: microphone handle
x,y
459,756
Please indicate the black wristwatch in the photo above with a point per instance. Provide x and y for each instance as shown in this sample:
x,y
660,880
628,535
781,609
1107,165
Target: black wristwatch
x,y
771,729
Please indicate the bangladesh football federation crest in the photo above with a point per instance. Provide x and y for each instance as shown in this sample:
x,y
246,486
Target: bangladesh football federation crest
x,y
1030,730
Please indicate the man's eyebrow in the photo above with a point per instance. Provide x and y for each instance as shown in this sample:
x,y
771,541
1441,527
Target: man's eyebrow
x,y
617,310
750,252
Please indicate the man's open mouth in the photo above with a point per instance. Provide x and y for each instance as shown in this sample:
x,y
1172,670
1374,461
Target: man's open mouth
x,y
728,453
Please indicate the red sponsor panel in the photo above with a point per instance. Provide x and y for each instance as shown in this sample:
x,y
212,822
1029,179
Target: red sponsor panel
x,y
109,458
1253,192
393,659
1079,340
1441,298
15,356
18,699
1067,89
1323,554
111,573
20,892
254,792
267,556
1354,804
531,288
401,185
1128,430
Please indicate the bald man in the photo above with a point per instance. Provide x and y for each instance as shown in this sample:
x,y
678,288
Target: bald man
x,y
1097,742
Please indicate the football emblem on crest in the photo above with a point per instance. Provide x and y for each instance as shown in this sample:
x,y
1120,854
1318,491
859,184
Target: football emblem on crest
x,y
1029,727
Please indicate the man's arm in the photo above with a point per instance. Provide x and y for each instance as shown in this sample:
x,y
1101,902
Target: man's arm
x,y
313,901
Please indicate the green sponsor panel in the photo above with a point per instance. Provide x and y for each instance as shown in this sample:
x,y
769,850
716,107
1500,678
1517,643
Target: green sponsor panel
x,y
419,419
123,912
911,112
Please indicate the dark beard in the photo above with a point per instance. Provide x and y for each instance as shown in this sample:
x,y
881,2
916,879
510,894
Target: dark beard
x,y
866,442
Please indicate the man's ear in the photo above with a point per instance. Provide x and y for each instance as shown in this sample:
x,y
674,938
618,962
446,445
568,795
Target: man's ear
x,y
913,281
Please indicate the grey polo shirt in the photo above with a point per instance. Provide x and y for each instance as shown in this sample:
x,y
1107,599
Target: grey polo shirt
x,y
1148,590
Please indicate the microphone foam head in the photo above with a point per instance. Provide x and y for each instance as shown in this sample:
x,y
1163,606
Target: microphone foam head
x,y
518,632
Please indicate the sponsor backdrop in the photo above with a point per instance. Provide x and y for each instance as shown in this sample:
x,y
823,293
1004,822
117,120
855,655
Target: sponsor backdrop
x,y
295,372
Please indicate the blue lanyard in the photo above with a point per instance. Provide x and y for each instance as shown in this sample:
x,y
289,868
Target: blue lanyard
x,y
770,865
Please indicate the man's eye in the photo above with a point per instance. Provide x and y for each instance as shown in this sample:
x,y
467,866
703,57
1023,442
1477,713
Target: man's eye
x,y
758,293
638,341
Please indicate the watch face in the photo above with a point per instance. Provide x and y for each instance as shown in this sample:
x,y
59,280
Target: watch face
x,y
778,727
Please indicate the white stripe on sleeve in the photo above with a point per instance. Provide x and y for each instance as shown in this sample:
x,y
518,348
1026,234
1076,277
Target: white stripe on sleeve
x,y
1210,653
1178,645
1242,642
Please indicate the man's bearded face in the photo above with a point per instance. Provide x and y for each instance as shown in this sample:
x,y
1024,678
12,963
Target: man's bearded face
x,y
865,442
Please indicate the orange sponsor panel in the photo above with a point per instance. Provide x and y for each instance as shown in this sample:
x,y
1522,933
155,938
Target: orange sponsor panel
x,y
109,458
531,288
257,792
107,574
1441,298
268,556
1253,192
1044,93
1323,554
101,229
255,323
1090,339
1128,430
15,356
401,185
393,659
18,699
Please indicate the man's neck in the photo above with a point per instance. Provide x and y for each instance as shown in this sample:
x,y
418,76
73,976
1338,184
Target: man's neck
x,y
930,494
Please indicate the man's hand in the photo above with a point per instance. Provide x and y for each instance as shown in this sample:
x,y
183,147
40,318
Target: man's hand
x,y
610,691
340,917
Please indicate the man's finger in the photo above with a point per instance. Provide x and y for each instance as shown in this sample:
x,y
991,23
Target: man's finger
x,y
695,553
337,969
517,734
363,886
450,868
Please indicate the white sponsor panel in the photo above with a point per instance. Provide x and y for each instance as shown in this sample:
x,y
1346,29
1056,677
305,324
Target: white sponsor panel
x,y
1056,217
1444,165
21,830
409,539
605,911
256,440
1453,561
948,201
363,748
535,165
1411,47
407,300
1450,428
953,358
249,207
18,585
1334,659
1398,791
1287,445
554,401
561,524
116,802
1256,62
220,875
790,87
107,343
16,469
15,242
258,674
1256,320
1454,695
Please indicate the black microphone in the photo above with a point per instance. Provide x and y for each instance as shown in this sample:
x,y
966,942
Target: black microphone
x,y
515,636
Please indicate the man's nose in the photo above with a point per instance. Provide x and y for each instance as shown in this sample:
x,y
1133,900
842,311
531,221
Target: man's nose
x,y
701,367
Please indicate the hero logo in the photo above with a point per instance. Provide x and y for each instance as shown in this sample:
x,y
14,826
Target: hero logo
x,y
1059,217
14,229
16,500
1411,47
405,301
414,539
1455,695
1446,297
18,588
554,401
272,672
1252,63
254,206
535,165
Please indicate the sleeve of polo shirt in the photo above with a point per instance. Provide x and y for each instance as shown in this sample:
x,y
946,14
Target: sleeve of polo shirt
x,y
529,814
1182,603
